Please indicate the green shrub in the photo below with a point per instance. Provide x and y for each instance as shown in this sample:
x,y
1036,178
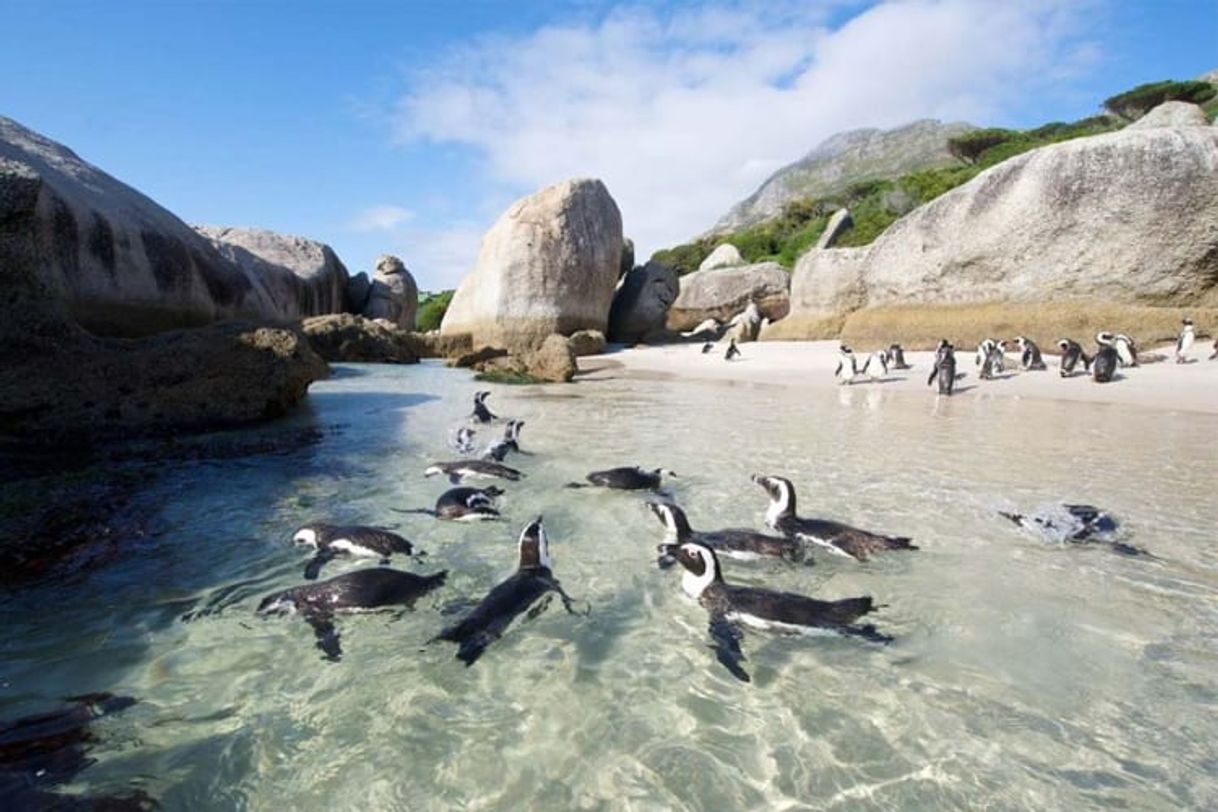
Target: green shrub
x,y
431,311
1135,103
970,146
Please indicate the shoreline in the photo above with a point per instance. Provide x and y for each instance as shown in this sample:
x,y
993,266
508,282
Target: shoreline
x,y
808,365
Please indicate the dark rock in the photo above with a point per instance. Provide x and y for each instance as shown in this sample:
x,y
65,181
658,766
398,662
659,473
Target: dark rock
x,y
345,337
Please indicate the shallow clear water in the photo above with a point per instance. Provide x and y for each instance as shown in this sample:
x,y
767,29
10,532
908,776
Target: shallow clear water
x,y
1024,675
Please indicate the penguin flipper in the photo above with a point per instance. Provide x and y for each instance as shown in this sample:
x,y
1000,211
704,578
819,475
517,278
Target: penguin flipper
x,y
327,635
727,636
934,372
313,568
868,633
568,602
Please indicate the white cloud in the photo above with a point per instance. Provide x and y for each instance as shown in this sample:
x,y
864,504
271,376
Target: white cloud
x,y
684,114
380,218
439,258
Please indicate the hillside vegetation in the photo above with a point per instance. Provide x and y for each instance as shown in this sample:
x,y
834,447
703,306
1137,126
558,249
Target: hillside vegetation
x,y
876,204
432,307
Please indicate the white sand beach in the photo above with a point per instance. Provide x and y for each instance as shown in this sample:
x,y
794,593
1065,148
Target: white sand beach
x,y
1162,385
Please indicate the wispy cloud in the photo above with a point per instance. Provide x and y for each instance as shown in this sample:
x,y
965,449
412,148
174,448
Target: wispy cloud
x,y
684,113
380,218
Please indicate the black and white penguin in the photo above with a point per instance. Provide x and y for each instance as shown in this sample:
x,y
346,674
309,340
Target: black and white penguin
x,y
1029,354
631,478
352,591
994,361
332,540
834,536
983,352
1185,342
462,441
1215,354
510,441
731,607
732,350
533,580
464,505
1074,524
738,543
1104,363
1072,353
944,368
896,357
482,469
1127,350
481,413
847,365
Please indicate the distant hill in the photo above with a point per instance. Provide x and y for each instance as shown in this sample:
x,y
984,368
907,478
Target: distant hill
x,y
844,160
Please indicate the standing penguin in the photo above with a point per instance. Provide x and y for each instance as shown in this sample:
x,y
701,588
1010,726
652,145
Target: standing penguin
x,y
481,413
532,581
896,357
983,352
944,368
1127,350
1029,357
847,365
1072,353
1104,364
995,358
732,350
1185,342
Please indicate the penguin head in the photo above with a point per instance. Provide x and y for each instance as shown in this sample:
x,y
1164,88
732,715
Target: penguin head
x,y
480,397
1020,341
306,535
844,349
701,568
492,491
534,547
1187,322
664,472
1104,339
673,519
781,493
1063,344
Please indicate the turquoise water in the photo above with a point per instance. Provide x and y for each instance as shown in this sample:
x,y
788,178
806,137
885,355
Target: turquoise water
x,y
1024,675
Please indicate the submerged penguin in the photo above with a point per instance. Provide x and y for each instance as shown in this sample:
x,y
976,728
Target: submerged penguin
x,y
510,441
834,536
631,478
732,606
481,413
482,469
896,357
1074,524
944,368
732,350
1185,342
1029,354
464,505
1104,363
332,540
352,591
532,581
1072,353
739,543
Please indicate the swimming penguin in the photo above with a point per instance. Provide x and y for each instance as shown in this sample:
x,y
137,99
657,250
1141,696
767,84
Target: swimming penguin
x,y
836,537
463,440
331,540
1072,353
707,347
509,442
631,478
1104,363
1075,524
464,505
944,368
352,591
532,581
732,350
1185,342
481,413
896,357
484,469
1029,354
743,544
732,606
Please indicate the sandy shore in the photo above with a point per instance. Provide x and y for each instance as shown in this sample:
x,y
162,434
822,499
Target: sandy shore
x,y
1164,386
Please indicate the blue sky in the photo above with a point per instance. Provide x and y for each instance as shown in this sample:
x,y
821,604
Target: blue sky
x,y
406,128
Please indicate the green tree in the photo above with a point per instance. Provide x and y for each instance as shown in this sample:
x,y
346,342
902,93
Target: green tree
x,y
969,146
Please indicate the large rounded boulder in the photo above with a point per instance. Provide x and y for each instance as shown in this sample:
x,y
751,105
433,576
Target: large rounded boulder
x,y
641,303
393,294
549,265
721,293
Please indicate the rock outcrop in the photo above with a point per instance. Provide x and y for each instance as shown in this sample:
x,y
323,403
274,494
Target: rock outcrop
x,y
552,361
549,265
317,284
393,294
347,337
1172,114
641,303
838,223
123,265
1129,216
724,256
723,292
587,342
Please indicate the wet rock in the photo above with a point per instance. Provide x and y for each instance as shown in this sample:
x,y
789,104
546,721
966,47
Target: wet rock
x,y
587,342
723,292
344,337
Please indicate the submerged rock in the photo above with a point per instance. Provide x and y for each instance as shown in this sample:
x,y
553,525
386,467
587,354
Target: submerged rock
x,y
549,265
344,337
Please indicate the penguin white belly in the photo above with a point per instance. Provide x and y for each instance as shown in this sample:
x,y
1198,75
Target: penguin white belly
x,y
350,547
777,626
824,543
740,555
476,516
